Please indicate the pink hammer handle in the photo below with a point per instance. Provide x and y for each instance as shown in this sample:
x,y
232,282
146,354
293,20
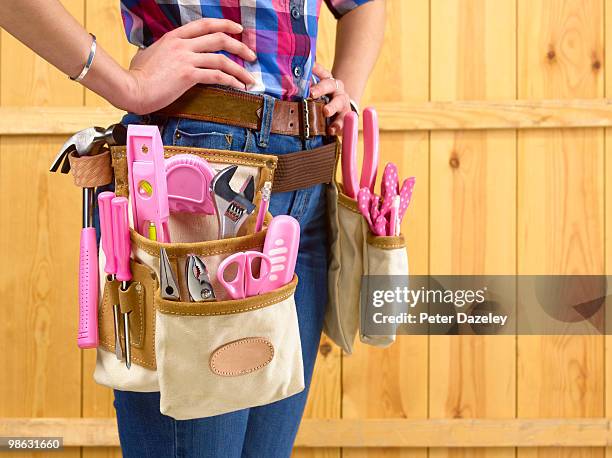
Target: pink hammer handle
x,y
88,290
106,227
121,234
371,142
349,155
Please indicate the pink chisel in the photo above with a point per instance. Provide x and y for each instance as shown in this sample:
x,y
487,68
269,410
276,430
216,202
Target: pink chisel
x,y
88,277
121,235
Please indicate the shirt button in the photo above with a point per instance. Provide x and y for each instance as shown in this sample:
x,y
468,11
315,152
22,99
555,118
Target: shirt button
x,y
297,71
295,12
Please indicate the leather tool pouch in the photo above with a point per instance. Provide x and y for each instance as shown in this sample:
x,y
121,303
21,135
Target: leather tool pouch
x,y
355,255
205,358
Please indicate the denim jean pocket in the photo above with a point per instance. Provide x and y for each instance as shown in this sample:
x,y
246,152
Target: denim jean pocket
x,y
200,134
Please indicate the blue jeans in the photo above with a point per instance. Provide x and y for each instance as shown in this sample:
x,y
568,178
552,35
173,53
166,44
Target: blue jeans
x,y
267,431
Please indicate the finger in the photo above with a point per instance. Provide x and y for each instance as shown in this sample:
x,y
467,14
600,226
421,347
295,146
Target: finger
x,y
206,76
321,72
326,86
206,26
335,128
222,42
338,104
225,64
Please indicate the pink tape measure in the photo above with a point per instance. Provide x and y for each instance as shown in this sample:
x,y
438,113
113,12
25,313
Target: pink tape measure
x,y
188,177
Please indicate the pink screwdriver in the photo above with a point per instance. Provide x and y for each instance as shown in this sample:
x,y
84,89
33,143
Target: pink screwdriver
x,y
121,236
108,246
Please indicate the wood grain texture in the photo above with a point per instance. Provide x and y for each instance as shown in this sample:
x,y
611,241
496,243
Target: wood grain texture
x,y
485,202
608,220
48,120
38,241
371,434
495,114
560,206
472,173
392,382
464,115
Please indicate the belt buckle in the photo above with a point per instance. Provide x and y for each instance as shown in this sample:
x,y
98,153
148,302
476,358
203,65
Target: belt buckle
x,y
305,120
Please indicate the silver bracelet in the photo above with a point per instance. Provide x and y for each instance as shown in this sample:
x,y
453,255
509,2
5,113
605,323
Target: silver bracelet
x,y
92,54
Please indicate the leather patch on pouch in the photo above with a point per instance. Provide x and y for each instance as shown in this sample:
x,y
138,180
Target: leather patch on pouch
x,y
241,357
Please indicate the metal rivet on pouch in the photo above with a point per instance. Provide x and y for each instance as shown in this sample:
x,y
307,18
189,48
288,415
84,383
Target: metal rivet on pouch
x,y
177,135
145,149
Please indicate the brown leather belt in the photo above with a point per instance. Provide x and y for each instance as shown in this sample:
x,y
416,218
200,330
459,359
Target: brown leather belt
x,y
305,119
205,103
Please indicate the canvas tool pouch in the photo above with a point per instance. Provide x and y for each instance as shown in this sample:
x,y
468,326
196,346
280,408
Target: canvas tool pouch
x,y
205,358
348,229
355,255
384,257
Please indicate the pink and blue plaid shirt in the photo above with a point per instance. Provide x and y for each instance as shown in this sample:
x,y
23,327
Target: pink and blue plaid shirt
x,y
283,33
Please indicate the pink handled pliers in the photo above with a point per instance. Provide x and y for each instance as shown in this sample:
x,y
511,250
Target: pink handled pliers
x,y
349,152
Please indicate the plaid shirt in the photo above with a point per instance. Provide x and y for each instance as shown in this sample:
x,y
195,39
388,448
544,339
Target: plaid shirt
x,y
283,34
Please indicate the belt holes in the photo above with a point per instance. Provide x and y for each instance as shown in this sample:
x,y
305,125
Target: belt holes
x,y
291,110
290,124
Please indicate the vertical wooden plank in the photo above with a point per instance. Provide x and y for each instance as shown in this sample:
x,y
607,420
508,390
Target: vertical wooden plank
x,y
560,206
608,213
39,233
103,19
472,203
392,383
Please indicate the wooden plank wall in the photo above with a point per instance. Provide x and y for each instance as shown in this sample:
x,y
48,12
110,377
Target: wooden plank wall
x,y
487,201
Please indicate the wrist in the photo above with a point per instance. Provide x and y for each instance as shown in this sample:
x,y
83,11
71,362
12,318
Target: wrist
x,y
112,82
128,100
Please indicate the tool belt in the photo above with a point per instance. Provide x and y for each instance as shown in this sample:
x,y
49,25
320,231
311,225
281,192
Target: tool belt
x,y
205,358
292,171
209,358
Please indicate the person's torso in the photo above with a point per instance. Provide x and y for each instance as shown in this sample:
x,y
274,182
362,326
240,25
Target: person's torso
x,y
283,34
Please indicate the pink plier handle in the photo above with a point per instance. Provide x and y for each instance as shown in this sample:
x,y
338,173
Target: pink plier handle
x,y
349,155
370,143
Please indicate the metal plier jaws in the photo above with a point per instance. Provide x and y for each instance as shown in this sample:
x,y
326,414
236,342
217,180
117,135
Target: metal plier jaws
x,y
198,282
167,280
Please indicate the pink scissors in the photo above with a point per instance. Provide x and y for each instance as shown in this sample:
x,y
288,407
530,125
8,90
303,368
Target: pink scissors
x,y
349,152
245,283
384,214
